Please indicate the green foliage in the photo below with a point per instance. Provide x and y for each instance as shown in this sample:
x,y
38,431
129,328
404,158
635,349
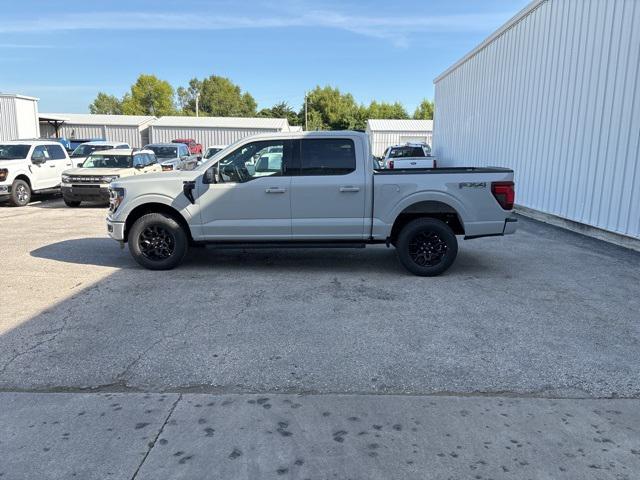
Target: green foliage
x,y
424,111
149,96
387,110
219,97
281,110
106,104
329,109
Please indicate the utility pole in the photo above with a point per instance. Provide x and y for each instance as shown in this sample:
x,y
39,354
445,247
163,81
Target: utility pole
x,y
197,103
306,122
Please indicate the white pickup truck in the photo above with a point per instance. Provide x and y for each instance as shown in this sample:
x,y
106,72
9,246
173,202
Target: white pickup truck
x,y
309,189
410,155
28,166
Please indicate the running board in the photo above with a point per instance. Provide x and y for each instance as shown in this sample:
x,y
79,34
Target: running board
x,y
255,245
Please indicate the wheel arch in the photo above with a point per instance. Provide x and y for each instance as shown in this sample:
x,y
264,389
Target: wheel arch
x,y
428,209
155,207
24,177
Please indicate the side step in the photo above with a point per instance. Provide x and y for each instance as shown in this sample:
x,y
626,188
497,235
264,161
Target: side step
x,y
255,245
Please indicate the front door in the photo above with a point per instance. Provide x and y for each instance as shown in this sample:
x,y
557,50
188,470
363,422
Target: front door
x,y
46,174
251,199
328,194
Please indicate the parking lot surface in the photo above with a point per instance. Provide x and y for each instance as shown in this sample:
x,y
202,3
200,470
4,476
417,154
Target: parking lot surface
x,y
543,313
521,362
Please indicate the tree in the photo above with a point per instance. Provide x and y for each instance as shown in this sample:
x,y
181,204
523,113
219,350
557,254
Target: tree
x,y
149,96
424,111
329,109
106,104
281,110
387,110
219,97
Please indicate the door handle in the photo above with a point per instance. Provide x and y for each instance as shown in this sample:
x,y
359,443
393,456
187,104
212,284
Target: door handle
x,y
275,190
349,188
52,166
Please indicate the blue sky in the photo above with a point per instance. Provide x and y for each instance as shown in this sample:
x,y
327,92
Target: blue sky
x,y
65,52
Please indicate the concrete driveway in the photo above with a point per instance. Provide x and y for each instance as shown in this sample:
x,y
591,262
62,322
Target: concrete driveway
x,y
542,314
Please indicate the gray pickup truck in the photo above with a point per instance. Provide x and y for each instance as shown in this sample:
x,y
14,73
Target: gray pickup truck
x,y
311,189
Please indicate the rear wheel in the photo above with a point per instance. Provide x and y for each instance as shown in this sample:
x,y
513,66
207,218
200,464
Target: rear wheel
x,y
427,247
71,203
20,193
158,242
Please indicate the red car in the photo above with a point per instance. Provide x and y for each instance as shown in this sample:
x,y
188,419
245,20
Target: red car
x,y
194,148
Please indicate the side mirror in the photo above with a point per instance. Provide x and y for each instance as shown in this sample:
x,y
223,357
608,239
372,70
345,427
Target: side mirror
x,y
209,176
38,158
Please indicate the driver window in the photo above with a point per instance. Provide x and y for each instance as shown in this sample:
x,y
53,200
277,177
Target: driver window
x,y
252,161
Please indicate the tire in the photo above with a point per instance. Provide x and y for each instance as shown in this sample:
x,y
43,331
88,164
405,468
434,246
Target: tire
x,y
71,203
427,247
158,242
20,193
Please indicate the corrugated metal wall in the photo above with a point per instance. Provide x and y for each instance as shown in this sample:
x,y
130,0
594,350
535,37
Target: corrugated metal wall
x,y
18,118
381,140
205,136
557,98
116,133
8,119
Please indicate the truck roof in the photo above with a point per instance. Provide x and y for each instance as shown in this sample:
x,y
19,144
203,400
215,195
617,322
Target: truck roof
x,y
122,151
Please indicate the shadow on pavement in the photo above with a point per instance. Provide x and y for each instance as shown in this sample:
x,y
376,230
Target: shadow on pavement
x,y
105,252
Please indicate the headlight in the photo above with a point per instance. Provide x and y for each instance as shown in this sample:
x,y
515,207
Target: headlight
x,y
166,168
3,174
66,178
116,196
110,178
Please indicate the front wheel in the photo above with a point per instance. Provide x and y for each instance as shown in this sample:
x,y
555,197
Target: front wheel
x,y
158,242
20,193
427,247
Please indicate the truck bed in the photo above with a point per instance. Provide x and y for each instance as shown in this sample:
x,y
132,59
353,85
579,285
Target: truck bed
x,y
414,171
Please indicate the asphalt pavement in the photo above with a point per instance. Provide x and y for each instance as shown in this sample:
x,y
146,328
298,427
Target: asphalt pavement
x,y
545,322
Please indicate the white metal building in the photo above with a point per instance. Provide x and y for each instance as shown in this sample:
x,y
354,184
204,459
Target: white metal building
x,y
385,133
555,95
131,129
18,117
213,130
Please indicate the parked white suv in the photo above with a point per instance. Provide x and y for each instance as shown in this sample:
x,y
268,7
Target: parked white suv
x,y
83,150
409,155
28,166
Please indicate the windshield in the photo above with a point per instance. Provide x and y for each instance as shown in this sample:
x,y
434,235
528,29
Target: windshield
x,y
401,152
108,161
85,150
13,152
163,152
211,151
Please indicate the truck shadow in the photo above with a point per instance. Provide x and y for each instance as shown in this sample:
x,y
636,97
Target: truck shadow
x,y
377,260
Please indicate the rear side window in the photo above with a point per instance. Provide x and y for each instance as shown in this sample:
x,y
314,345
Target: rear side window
x,y
56,152
327,156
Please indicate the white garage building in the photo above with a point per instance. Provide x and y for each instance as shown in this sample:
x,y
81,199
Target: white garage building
x,y
18,117
385,133
213,130
132,129
555,95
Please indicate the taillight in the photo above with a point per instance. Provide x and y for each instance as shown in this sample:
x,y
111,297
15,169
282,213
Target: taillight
x,y
435,163
505,194
166,168
390,163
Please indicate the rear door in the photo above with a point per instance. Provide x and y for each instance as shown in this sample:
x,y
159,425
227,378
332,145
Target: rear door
x,y
328,194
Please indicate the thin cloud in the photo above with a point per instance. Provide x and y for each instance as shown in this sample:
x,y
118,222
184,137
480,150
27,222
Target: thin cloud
x,y
24,45
395,29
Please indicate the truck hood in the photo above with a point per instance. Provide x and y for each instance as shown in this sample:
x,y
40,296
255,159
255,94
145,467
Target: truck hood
x,y
97,171
177,176
21,162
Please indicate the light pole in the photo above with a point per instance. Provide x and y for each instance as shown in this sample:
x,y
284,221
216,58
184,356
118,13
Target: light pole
x,y
197,103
